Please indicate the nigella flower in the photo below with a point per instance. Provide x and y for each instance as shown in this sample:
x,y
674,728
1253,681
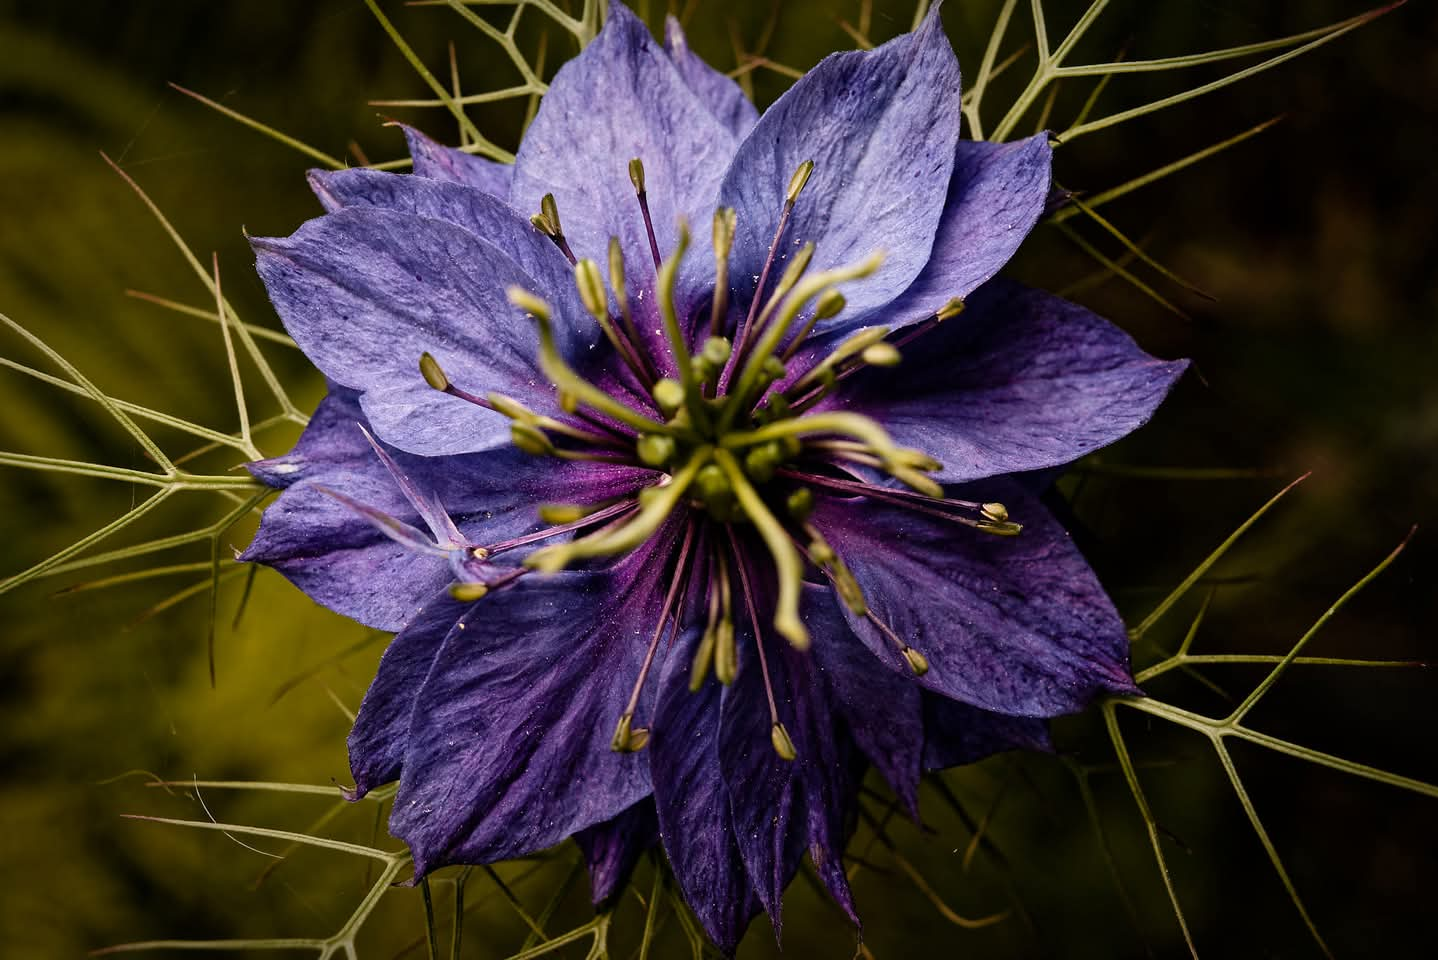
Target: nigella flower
x,y
681,532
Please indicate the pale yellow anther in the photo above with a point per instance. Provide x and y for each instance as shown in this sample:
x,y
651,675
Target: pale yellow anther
x,y
881,354
432,372
917,661
468,592
783,743
950,309
797,181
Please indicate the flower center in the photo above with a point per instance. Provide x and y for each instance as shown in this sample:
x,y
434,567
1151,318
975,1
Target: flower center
x,y
734,433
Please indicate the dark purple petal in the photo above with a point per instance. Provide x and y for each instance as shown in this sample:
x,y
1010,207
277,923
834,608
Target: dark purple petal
x,y
996,194
1018,625
342,562
695,822
509,744
720,94
623,98
366,291
881,127
380,736
1021,380
880,706
782,808
438,162
956,733
612,848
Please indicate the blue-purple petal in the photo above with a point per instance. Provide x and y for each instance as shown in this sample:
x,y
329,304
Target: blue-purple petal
x,y
696,824
1020,381
342,562
996,194
509,746
438,162
366,291
783,809
880,706
379,738
1017,625
716,91
622,98
956,733
613,847
881,127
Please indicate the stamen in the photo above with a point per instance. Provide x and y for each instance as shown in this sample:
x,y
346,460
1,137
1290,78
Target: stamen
x,y
547,223
596,301
636,177
434,375
683,362
949,310
566,379
830,304
917,662
798,264
791,196
517,411
653,510
625,505
724,222
787,565
621,296
627,739
778,735
704,653
774,333
856,425
918,502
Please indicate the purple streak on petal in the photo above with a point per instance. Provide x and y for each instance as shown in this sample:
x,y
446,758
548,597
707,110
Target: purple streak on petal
x,y
781,808
342,562
717,92
880,706
612,848
996,194
1018,625
623,98
380,736
366,291
438,162
1019,381
509,747
695,822
881,127
956,733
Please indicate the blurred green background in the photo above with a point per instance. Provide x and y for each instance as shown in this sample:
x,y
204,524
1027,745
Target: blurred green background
x,y
1316,239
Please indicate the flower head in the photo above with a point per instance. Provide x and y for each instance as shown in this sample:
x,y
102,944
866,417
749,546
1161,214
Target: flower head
x,y
681,456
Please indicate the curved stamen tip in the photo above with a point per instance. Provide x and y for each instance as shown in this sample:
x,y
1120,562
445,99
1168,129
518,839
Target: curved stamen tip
x,y
881,355
951,309
793,630
550,210
726,654
636,174
433,373
528,302
797,181
995,512
468,592
783,743
917,661
627,738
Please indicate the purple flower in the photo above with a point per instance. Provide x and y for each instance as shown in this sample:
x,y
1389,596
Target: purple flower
x,y
764,557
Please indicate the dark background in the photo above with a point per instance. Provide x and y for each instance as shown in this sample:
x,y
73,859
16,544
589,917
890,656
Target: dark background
x,y
1315,238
